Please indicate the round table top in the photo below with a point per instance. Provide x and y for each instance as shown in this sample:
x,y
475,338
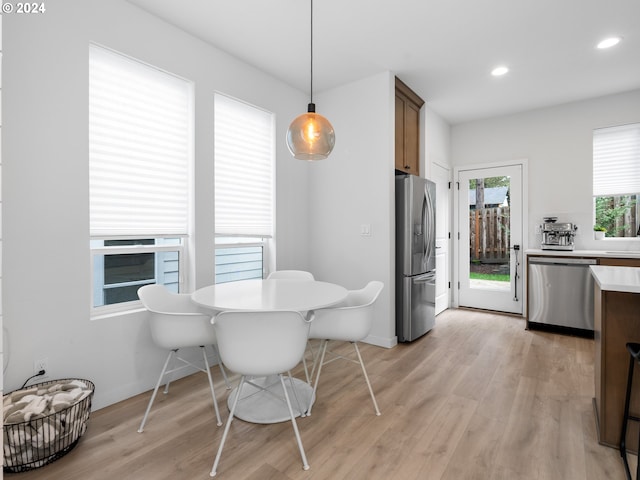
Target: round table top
x,y
264,295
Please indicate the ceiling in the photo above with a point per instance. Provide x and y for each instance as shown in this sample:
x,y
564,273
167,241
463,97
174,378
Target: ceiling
x,y
443,49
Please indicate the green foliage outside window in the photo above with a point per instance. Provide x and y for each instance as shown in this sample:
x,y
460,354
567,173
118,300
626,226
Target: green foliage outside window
x,y
618,215
491,182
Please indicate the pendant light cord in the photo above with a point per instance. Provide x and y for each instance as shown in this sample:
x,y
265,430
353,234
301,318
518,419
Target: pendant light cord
x,y
311,92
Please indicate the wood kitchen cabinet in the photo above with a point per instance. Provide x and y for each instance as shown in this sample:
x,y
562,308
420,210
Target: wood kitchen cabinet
x,y
617,321
408,105
620,262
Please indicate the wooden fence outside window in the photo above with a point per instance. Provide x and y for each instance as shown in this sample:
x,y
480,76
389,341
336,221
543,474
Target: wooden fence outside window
x,y
489,235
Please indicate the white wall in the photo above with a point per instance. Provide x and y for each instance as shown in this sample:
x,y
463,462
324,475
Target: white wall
x,y
558,142
354,187
46,272
437,141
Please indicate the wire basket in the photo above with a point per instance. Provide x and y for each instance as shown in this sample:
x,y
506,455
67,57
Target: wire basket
x,y
45,438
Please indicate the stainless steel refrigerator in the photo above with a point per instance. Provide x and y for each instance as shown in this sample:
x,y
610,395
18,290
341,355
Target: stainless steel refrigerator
x,y
415,256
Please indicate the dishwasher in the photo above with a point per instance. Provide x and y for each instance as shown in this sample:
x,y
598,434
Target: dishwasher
x,y
561,292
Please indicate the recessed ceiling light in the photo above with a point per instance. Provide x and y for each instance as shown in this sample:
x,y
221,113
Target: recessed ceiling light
x,y
609,42
498,71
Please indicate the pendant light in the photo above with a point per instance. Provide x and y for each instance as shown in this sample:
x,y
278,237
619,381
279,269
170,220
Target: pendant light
x,y
310,135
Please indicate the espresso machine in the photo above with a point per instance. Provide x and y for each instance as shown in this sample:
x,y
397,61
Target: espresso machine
x,y
557,236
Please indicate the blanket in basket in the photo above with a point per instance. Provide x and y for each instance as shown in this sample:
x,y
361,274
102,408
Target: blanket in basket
x,y
41,409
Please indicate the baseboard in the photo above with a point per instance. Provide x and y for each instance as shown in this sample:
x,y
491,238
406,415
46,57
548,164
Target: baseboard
x,y
385,342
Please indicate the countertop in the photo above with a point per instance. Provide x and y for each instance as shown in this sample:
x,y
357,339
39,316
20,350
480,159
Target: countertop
x,y
617,279
584,253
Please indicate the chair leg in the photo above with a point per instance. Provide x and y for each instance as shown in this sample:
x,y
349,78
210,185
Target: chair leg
x,y
366,377
306,370
155,390
213,393
171,370
308,375
305,465
315,357
224,374
222,370
295,394
214,469
322,350
625,419
638,462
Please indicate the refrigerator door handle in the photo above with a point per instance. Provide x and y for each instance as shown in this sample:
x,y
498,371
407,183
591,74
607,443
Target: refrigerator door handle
x,y
423,219
425,277
427,212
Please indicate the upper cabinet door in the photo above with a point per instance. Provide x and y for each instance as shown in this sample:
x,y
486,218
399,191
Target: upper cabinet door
x,y
408,105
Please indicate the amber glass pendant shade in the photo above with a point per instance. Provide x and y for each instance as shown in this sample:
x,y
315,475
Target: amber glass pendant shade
x,y
310,136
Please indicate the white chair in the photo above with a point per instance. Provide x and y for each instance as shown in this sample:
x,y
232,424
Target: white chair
x,y
259,344
295,275
350,321
176,323
290,275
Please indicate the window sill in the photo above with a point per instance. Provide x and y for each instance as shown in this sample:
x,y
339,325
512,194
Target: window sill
x,y
118,313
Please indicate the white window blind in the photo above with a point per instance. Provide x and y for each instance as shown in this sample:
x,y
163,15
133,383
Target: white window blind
x,y
244,153
140,148
616,160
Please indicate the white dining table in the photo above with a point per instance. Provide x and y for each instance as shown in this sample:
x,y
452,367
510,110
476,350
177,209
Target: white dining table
x,y
260,402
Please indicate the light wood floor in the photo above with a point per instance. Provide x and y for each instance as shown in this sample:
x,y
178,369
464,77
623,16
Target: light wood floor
x,y
478,397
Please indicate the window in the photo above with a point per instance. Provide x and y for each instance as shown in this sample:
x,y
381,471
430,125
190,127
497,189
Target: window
x,y
616,179
122,266
239,258
140,156
243,188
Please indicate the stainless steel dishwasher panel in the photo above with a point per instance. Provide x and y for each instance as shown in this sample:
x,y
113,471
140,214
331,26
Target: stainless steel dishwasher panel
x,y
561,292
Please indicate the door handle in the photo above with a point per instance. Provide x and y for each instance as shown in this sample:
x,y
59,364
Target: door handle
x,y
516,249
425,278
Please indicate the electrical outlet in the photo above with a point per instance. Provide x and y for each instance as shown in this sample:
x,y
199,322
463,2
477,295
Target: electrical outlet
x,y
42,364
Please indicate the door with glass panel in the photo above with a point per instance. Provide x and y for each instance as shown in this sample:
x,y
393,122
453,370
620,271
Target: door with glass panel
x,y
490,266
